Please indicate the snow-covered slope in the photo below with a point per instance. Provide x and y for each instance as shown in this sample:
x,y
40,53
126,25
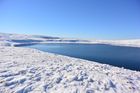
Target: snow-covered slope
x,y
24,70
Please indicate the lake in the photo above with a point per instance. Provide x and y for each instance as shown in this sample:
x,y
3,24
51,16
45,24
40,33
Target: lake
x,y
127,57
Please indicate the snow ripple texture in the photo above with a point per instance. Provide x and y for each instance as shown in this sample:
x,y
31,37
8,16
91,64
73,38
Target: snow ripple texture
x,y
24,70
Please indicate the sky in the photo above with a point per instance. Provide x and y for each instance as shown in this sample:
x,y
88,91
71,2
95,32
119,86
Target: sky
x,y
88,19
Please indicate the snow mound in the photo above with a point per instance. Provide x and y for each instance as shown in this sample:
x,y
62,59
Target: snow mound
x,y
24,70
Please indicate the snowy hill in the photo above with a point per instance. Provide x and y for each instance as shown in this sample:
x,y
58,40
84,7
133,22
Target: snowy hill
x,y
130,42
20,39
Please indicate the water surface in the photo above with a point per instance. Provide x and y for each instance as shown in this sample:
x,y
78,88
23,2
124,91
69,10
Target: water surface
x,y
127,57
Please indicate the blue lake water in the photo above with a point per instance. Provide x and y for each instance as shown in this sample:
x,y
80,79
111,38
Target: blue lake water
x,y
127,57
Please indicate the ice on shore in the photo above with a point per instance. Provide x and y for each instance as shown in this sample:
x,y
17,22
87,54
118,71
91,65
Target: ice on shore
x,y
24,70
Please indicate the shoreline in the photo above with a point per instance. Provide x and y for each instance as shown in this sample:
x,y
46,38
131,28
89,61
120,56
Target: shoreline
x,y
17,39
87,43
31,70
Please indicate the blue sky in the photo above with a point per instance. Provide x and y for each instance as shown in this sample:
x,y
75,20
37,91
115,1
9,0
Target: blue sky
x,y
97,19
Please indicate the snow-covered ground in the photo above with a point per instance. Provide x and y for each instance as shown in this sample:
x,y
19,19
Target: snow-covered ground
x,y
24,70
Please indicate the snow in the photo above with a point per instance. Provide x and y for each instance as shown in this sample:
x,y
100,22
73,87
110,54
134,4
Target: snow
x,y
8,40
129,43
17,39
24,70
